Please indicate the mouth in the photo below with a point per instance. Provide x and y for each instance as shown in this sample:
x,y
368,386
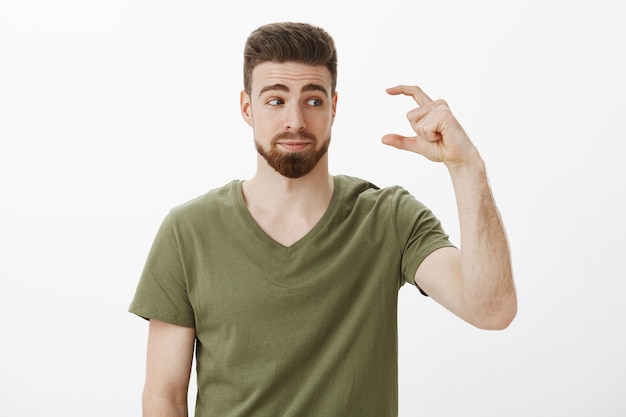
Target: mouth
x,y
292,146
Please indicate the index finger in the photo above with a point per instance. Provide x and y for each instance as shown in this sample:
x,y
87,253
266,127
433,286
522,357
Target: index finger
x,y
411,90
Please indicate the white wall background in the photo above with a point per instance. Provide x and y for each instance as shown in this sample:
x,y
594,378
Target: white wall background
x,y
113,112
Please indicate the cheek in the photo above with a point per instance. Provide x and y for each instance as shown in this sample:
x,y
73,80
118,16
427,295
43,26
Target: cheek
x,y
264,128
263,124
325,123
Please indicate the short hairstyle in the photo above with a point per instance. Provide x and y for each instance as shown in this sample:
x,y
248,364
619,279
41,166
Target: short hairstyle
x,y
289,41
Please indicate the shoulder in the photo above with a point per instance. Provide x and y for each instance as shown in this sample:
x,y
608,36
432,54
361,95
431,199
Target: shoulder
x,y
211,203
393,202
354,188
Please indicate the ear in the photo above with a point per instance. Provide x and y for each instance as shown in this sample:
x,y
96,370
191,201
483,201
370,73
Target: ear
x,y
334,105
246,107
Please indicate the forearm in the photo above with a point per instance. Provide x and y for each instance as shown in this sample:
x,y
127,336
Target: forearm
x,y
487,281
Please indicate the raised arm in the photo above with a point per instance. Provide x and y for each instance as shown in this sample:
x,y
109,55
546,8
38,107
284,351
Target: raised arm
x,y
169,359
475,283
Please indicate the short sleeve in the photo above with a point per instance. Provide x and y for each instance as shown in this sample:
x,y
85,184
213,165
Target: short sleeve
x,y
419,231
162,290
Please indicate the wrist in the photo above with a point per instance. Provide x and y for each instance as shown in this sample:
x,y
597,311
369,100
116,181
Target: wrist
x,y
472,165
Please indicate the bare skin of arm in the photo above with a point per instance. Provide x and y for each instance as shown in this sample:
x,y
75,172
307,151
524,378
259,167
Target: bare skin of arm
x,y
169,360
475,282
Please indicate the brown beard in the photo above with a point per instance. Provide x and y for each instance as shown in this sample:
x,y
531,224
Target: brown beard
x,y
293,164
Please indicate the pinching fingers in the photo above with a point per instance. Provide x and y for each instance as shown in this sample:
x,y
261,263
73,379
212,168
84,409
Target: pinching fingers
x,y
414,91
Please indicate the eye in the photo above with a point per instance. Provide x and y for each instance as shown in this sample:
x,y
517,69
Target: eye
x,y
275,102
315,102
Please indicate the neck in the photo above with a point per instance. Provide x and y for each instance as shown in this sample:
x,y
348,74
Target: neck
x,y
274,192
288,208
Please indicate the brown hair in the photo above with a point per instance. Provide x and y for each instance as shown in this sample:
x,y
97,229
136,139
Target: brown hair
x,y
289,41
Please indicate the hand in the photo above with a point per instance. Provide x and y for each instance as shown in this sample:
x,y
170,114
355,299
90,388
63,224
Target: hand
x,y
439,136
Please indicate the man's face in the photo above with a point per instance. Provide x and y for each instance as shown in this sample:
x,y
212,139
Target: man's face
x,y
291,112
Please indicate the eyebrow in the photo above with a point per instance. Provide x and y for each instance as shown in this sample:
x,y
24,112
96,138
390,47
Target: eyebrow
x,y
283,87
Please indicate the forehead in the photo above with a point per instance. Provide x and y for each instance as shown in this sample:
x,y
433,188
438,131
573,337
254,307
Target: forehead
x,y
291,74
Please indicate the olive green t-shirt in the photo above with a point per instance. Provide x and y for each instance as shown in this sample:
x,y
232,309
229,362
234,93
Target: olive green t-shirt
x,y
304,330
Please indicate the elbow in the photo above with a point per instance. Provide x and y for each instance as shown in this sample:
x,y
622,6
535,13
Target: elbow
x,y
497,317
157,403
497,322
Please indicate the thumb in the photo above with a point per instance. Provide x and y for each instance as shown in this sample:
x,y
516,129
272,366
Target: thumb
x,y
400,142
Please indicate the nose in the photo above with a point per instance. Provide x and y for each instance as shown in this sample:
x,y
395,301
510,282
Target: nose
x,y
294,120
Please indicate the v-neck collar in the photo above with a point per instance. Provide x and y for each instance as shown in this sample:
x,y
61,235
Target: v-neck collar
x,y
304,240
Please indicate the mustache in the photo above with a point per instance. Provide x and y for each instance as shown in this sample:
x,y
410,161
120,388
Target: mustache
x,y
294,136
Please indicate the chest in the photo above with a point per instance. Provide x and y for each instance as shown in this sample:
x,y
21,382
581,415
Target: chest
x,y
289,226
